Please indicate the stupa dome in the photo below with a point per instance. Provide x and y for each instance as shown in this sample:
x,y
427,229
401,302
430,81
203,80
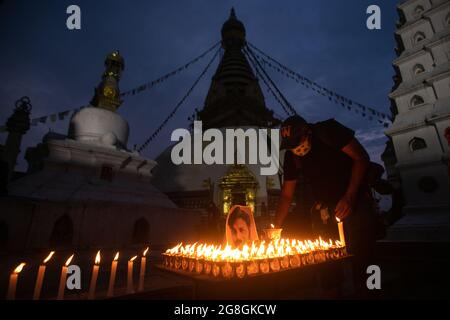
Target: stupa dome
x,y
99,125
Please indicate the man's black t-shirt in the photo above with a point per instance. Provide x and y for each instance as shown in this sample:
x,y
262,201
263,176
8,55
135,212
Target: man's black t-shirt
x,y
325,166
328,171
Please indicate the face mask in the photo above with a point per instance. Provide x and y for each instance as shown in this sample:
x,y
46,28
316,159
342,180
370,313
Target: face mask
x,y
303,148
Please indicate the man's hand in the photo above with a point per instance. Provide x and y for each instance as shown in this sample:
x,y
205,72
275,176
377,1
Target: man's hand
x,y
360,158
345,207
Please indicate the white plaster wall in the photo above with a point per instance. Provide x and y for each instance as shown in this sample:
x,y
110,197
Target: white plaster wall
x,y
442,86
404,101
407,67
95,224
405,154
441,50
438,17
408,33
410,7
416,199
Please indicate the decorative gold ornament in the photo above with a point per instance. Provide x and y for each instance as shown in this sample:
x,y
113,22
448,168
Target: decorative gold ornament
x,y
109,92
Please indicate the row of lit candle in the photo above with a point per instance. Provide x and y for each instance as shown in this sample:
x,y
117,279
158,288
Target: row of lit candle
x,y
259,257
13,279
255,250
251,267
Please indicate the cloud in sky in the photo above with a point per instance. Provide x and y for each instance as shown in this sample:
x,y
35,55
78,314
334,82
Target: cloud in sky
x,y
374,140
325,40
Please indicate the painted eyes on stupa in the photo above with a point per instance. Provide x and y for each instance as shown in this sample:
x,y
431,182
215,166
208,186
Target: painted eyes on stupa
x,y
109,92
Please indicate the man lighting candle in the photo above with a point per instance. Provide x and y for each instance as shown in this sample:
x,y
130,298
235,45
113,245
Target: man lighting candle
x,y
330,159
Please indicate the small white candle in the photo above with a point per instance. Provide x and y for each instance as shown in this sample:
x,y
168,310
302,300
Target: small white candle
x,y
130,288
112,276
62,279
13,282
142,271
341,231
95,268
40,277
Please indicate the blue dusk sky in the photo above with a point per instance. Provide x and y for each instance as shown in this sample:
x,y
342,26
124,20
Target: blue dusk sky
x,y
324,40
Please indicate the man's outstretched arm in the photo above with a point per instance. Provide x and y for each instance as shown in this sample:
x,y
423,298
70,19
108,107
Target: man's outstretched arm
x,y
285,201
360,164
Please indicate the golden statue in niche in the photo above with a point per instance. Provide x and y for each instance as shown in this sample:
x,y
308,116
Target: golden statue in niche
x,y
238,188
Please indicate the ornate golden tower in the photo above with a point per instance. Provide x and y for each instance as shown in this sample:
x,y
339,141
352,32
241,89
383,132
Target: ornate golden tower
x,y
107,94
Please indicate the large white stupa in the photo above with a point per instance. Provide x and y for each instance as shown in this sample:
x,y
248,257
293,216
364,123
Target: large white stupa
x,y
87,189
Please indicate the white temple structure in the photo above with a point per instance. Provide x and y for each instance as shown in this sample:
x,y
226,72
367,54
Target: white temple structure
x,y
86,189
420,133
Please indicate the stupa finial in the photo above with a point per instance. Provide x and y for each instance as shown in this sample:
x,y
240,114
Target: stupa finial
x,y
107,94
232,13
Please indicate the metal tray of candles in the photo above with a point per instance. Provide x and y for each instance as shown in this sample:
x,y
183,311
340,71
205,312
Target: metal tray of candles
x,y
272,265
290,276
259,258
224,270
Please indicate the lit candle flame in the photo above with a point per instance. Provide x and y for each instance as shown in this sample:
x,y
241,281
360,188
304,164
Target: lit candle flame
x,y
145,252
97,258
49,257
272,226
132,259
116,257
338,220
257,250
69,260
19,268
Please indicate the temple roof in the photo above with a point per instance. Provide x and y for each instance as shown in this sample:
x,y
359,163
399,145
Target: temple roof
x,y
235,97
